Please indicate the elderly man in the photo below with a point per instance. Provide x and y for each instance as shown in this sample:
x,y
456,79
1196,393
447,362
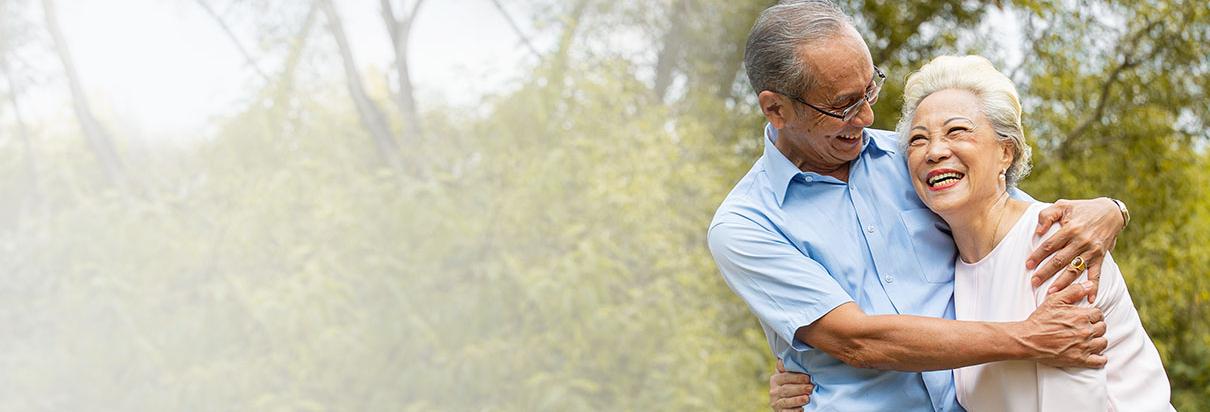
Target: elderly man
x,y
850,275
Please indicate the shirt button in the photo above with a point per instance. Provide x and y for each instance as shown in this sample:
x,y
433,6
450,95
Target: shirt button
x,y
889,279
869,229
809,179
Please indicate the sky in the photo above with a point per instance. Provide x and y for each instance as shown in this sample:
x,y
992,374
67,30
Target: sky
x,y
165,68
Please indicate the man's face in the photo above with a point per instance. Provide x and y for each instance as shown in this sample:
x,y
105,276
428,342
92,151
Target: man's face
x,y
844,73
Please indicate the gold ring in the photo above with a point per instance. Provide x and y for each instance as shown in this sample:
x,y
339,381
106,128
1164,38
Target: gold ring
x,y
1079,264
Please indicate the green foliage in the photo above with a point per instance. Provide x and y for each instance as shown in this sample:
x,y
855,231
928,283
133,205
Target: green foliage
x,y
1123,116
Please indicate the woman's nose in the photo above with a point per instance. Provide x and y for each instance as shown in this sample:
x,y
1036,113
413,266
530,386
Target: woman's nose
x,y
937,151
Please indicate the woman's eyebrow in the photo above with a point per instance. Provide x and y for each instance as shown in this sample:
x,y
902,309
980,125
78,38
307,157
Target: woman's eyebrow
x,y
947,121
921,128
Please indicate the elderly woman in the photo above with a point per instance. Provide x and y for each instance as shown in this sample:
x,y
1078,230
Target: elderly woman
x,y
961,129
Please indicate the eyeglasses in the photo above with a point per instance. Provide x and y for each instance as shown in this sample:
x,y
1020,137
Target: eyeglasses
x,y
850,112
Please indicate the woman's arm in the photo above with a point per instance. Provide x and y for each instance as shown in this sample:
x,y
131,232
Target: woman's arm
x,y
1073,389
1136,377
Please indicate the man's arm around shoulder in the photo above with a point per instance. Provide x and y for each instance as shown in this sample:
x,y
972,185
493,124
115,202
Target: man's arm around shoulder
x,y
1057,333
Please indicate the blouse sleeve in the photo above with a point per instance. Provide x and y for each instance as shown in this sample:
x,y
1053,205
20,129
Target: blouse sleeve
x,y
1071,389
1136,377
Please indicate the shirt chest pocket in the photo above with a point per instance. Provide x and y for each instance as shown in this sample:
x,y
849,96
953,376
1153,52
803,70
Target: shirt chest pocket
x,y
932,244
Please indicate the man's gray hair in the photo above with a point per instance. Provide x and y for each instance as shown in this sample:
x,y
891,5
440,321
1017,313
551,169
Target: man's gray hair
x,y
771,56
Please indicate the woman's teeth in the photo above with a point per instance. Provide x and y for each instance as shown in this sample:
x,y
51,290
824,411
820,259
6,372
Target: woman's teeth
x,y
944,178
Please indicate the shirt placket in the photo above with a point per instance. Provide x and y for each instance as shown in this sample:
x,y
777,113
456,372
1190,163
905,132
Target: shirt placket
x,y
876,241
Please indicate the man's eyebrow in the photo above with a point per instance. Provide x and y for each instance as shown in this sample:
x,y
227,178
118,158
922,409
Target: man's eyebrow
x,y
852,96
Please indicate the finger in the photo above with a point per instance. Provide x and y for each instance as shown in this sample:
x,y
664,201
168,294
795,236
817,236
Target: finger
x,y
1065,278
790,404
1099,345
790,391
1094,276
1096,316
790,378
1057,243
781,366
1047,218
1096,361
1098,330
1071,294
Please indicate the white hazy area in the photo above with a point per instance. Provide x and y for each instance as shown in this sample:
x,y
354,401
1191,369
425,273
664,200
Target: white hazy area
x,y
165,69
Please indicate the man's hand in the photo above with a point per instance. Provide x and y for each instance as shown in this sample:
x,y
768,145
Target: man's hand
x,y
789,391
1063,335
1089,230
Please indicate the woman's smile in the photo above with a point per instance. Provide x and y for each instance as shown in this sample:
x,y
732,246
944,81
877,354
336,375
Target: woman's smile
x,y
942,179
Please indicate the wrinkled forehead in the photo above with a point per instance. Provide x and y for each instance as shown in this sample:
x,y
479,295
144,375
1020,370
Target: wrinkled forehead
x,y
840,64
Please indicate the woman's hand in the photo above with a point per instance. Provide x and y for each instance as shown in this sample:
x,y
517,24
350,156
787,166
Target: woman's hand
x,y
789,391
1089,230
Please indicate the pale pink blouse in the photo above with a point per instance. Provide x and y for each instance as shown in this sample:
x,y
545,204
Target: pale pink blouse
x,y
997,289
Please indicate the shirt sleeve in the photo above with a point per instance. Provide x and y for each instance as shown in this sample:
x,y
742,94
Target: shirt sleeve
x,y
783,287
1019,194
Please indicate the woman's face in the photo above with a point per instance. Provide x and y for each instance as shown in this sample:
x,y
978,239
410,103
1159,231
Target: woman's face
x,y
954,157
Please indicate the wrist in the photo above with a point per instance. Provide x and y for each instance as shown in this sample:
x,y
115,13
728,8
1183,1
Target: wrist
x,y
1122,208
1019,348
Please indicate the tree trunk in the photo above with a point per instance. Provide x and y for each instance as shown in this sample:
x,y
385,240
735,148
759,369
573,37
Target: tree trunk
x,y
370,114
31,164
222,24
566,38
400,29
99,140
670,50
281,90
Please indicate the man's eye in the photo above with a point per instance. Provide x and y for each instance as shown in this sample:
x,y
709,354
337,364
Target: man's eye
x,y
846,105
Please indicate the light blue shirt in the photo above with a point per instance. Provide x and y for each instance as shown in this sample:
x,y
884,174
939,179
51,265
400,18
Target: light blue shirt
x,y
795,245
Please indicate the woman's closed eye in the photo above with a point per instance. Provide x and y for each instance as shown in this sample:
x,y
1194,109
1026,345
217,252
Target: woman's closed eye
x,y
957,130
917,140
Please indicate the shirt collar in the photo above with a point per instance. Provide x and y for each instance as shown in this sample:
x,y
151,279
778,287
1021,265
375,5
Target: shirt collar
x,y
781,171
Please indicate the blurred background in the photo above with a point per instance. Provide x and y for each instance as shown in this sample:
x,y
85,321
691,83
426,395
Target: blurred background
x,y
494,204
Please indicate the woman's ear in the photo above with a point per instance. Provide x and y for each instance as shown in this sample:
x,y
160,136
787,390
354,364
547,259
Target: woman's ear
x,y
1007,147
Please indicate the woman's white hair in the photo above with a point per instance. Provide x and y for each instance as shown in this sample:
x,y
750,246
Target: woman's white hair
x,y
995,91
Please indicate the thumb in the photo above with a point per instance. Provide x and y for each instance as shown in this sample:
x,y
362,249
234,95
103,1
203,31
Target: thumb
x,y
1072,293
781,367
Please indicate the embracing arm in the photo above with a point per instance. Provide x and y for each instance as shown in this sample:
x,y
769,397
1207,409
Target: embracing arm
x,y
1058,333
796,297
1089,230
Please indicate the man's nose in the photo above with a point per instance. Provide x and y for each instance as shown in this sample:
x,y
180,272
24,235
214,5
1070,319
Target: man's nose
x,y
864,117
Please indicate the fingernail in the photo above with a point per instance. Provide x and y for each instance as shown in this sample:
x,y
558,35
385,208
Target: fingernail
x,y
1051,290
1029,264
1035,281
1086,284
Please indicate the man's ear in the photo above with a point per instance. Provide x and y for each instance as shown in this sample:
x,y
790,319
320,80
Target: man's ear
x,y
774,107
